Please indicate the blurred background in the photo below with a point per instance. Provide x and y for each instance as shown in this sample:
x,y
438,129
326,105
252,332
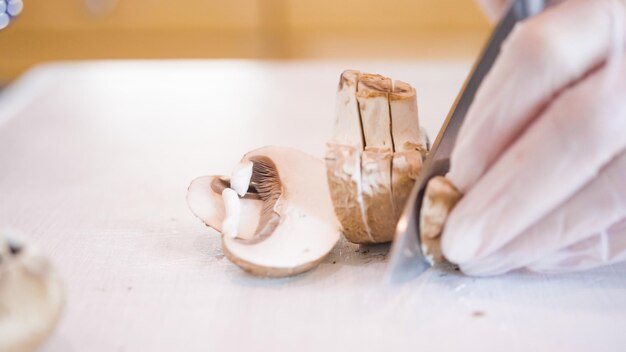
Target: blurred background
x,y
270,29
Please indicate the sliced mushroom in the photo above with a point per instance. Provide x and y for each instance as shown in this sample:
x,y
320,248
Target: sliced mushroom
x,y
440,198
343,165
287,224
373,98
410,142
31,296
374,155
377,193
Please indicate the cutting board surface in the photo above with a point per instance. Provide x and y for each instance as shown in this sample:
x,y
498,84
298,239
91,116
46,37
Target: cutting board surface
x,y
95,159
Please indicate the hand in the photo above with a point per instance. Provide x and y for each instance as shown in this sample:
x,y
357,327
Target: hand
x,y
541,157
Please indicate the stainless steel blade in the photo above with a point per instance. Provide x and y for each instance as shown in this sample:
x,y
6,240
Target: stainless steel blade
x,y
407,259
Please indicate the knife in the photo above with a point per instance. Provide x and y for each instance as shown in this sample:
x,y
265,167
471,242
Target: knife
x,y
407,259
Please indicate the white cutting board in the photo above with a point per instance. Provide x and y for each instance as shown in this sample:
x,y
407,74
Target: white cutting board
x,y
95,159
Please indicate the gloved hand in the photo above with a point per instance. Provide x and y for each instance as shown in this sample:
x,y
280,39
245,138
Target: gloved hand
x,y
541,157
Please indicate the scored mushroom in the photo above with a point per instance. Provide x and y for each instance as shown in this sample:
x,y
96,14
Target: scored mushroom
x,y
375,154
31,296
274,212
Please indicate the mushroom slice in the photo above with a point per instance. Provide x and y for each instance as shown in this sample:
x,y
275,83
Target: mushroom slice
x,y
440,198
373,97
343,162
31,296
289,201
410,143
406,167
377,194
406,131
348,129
343,167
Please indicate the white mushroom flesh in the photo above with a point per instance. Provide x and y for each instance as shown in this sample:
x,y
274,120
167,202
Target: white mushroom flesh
x,y
240,178
232,207
347,130
373,97
440,197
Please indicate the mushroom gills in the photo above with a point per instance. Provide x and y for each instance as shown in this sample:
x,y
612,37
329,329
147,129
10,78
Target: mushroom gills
x,y
287,200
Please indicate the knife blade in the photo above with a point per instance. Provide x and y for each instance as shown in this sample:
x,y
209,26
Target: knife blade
x,y
407,259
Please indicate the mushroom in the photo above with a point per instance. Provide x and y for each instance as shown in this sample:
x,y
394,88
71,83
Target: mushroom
x,y
375,154
440,198
278,220
31,296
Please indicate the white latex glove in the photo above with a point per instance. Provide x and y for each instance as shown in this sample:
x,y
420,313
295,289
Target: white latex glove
x,y
541,157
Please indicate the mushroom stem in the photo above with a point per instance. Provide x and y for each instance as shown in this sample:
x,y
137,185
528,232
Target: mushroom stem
x,y
232,207
240,177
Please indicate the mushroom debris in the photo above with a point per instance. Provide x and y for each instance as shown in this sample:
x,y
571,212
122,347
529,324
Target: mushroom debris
x,y
274,212
375,154
440,197
31,296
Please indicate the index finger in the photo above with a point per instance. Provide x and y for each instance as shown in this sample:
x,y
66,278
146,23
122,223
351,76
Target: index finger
x,y
543,55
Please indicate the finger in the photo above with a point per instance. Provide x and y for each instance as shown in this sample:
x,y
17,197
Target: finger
x,y
602,249
543,55
599,204
577,135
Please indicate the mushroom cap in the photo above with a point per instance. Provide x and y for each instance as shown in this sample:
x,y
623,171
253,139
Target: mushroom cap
x,y
205,201
31,296
296,228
